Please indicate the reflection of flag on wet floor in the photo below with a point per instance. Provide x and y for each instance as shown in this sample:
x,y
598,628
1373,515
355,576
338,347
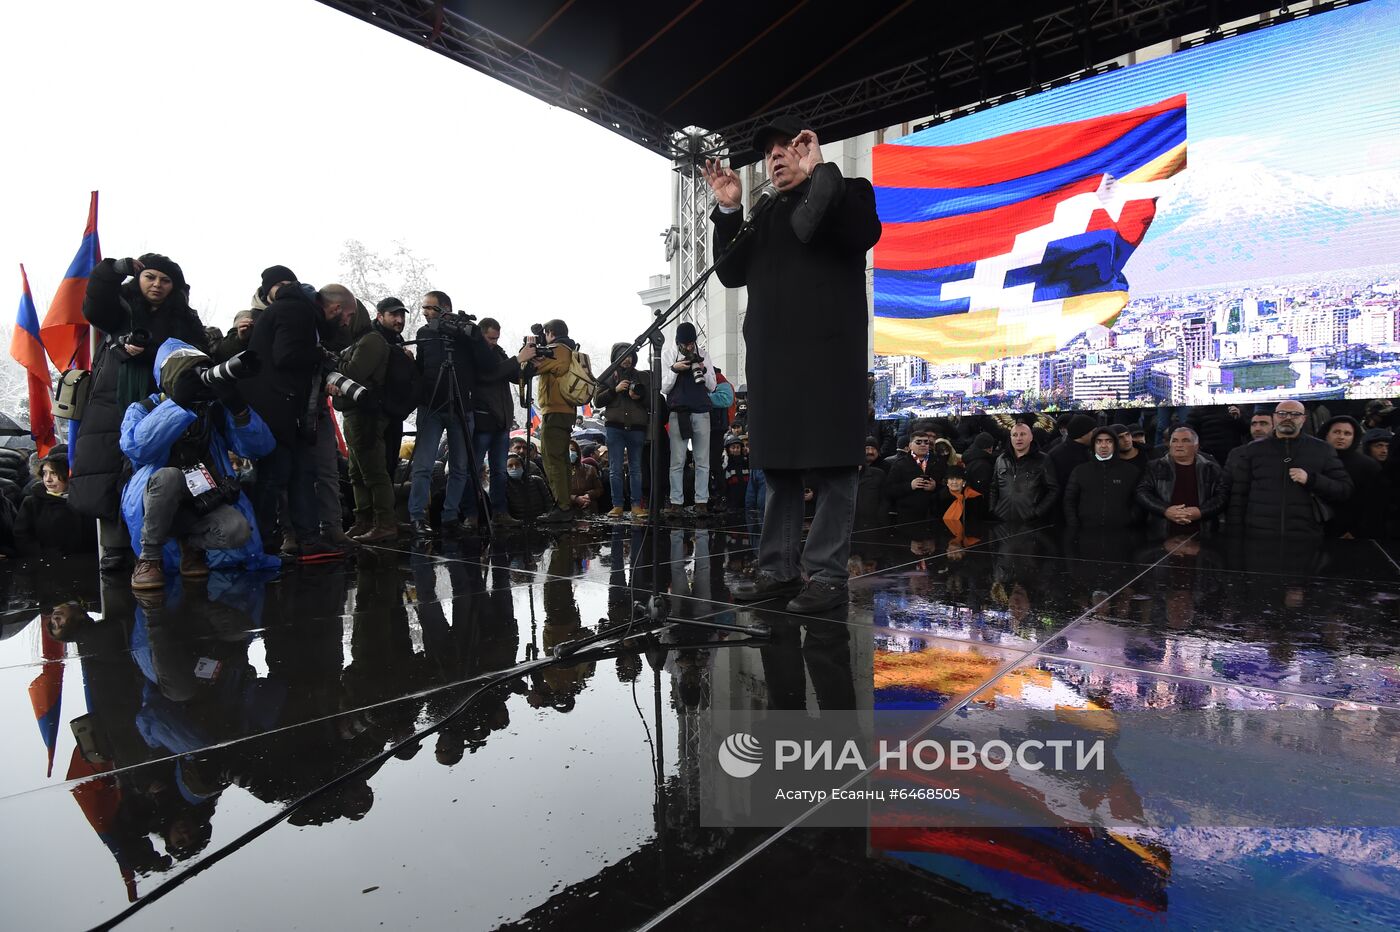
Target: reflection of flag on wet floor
x,y
1016,244
46,692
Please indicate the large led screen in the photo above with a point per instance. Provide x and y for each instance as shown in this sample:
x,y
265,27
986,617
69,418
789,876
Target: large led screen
x,y
1215,226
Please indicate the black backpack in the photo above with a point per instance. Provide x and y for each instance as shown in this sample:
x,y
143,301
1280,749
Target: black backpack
x,y
402,384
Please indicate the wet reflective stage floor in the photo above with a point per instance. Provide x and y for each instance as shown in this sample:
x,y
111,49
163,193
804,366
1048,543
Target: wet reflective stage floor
x,y
237,753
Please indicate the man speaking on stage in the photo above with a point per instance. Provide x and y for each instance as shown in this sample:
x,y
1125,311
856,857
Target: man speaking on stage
x,y
806,330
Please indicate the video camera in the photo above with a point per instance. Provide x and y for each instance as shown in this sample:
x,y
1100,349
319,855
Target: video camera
x,y
141,338
337,379
541,349
459,324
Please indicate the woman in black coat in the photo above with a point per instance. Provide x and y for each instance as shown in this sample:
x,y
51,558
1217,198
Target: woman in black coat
x,y
135,318
46,523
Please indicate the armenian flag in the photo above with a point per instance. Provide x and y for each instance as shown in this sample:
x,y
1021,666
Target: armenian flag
x,y
27,348
46,692
1016,244
65,330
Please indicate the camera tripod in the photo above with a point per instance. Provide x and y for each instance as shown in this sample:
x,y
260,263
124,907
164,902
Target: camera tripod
x,y
447,376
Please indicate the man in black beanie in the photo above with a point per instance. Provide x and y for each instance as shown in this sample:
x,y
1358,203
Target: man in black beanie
x,y
1075,450
807,334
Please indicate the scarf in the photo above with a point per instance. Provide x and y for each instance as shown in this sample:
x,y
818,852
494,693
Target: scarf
x,y
958,508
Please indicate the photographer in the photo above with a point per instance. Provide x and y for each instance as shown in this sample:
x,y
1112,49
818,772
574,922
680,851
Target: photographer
x,y
551,362
137,317
183,498
687,379
403,381
288,394
446,406
366,361
493,419
624,405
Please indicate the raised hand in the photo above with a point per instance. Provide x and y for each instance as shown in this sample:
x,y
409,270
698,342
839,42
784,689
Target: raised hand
x,y
724,183
809,150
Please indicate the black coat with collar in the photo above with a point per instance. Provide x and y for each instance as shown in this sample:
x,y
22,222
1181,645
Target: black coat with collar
x,y
1158,482
807,321
288,340
1264,501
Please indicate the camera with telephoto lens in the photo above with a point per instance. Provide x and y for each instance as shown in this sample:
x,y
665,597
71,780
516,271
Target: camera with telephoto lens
x,y
541,349
337,379
697,371
239,366
461,324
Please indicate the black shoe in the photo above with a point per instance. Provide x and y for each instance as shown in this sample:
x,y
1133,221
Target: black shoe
x,y
765,586
504,520
421,528
818,596
559,516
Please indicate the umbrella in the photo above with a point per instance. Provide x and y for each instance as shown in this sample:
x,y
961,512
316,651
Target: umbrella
x,y
18,442
9,427
589,434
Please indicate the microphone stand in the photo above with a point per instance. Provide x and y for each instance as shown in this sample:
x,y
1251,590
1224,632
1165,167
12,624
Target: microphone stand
x,y
657,609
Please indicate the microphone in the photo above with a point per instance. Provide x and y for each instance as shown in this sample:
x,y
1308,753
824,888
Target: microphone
x,y
765,200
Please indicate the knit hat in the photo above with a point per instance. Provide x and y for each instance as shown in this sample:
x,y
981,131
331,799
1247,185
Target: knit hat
x,y
983,441
272,275
1376,435
1079,425
389,306
685,332
154,260
872,442
1119,429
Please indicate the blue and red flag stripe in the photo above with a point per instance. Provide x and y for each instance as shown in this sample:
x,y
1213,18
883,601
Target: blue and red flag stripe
x,y
65,330
1020,223
27,349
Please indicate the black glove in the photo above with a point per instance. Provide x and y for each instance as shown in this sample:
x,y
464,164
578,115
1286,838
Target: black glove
x,y
124,267
228,395
189,389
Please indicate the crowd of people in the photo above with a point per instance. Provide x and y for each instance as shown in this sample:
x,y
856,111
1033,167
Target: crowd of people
x,y
200,449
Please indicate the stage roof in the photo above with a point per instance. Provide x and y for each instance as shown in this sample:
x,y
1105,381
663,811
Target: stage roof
x,y
650,70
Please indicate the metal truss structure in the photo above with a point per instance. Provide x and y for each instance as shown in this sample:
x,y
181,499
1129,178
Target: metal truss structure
x,y
690,255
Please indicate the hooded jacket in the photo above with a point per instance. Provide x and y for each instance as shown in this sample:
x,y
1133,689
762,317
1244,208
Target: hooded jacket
x,y
622,410
288,339
1101,494
366,360
147,437
1364,514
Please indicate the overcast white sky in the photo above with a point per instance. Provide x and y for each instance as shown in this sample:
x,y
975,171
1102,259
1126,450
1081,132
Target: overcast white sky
x,y
236,136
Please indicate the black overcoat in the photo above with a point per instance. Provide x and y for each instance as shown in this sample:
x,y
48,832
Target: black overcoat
x,y
807,324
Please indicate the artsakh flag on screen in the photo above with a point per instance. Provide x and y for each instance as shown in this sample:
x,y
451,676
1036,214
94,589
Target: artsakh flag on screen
x,y
65,330
28,350
1016,244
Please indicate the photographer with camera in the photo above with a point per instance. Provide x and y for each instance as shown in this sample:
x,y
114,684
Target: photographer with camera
x,y
136,317
550,354
450,353
366,362
493,418
625,403
288,394
687,379
183,498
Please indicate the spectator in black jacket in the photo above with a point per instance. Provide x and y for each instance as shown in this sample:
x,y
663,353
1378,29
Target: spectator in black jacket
x,y
959,504
1075,449
1362,515
871,508
913,478
136,316
494,417
1183,491
980,462
736,475
1100,493
527,495
1024,486
1129,452
46,524
625,400
1287,485
288,394
389,317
